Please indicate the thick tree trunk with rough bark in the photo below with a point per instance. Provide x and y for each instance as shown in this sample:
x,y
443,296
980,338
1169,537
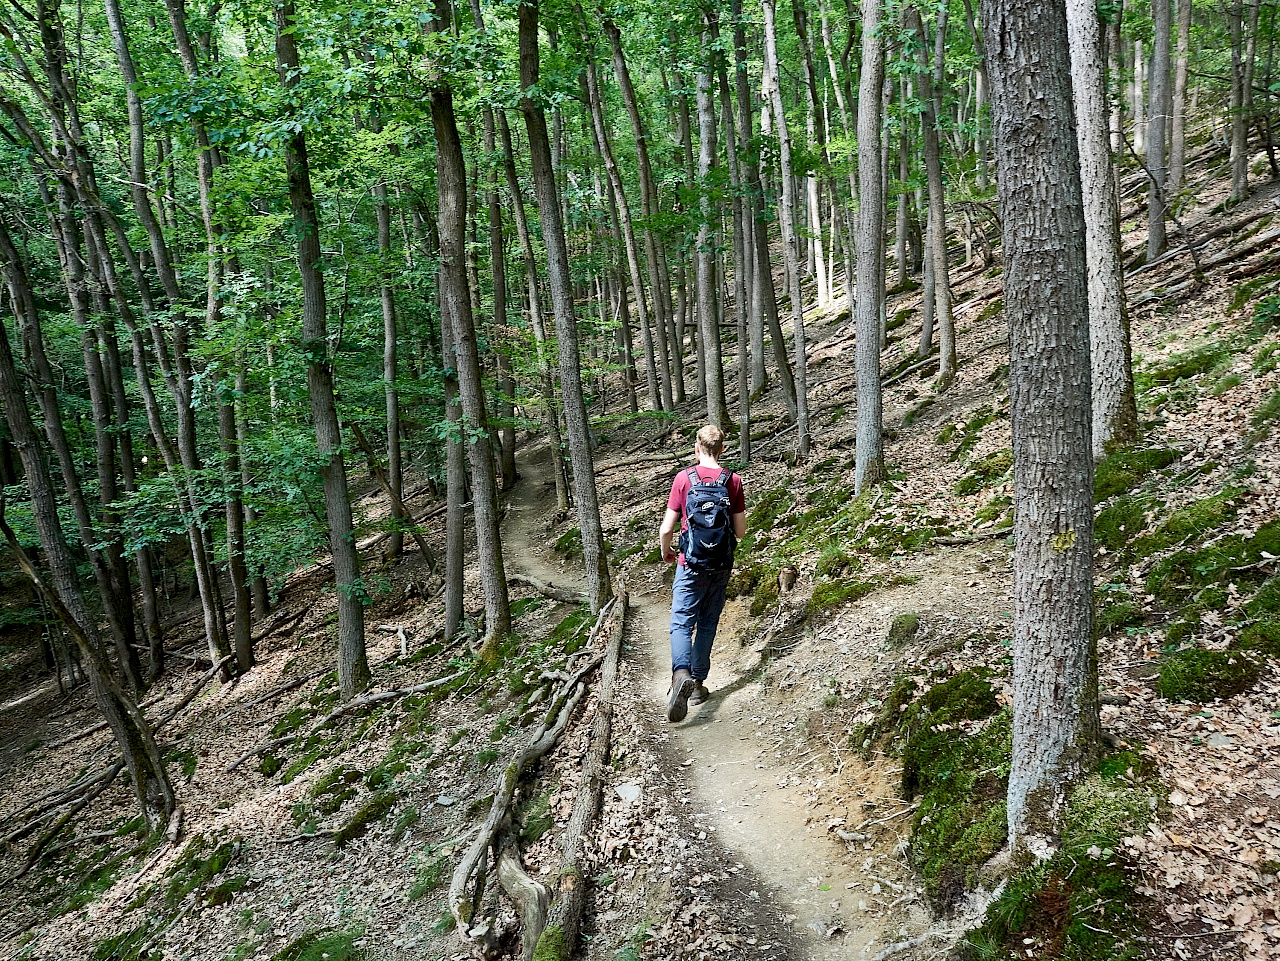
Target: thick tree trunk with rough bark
x,y
1055,672
869,452
1115,414
560,280
353,664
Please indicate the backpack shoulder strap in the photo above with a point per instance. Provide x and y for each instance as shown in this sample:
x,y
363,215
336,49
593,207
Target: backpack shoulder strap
x,y
724,478
693,475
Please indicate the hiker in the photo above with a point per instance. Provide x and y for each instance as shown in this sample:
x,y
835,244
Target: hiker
x,y
708,502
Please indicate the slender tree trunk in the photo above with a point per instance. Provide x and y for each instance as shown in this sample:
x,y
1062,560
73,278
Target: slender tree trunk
x,y
655,252
1055,671
257,580
623,208
237,570
1181,69
1115,87
1239,124
1157,128
708,327
869,452
786,218
390,364
599,588
451,182
1115,415
928,91
551,420
133,734
733,146
353,665
455,476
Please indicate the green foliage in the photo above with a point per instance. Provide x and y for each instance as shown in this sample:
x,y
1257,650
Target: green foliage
x,y
534,817
985,472
322,945
1262,638
201,862
998,507
372,811
966,435
130,945
1199,675
1114,608
571,633
1192,363
903,628
768,507
429,878
1080,904
1124,468
1121,521
1193,569
837,593
1267,411
570,543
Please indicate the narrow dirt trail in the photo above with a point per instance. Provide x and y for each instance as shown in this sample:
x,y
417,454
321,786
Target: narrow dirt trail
x,y
743,789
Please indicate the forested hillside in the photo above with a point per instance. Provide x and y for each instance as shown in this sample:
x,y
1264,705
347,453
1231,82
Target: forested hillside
x,y
349,352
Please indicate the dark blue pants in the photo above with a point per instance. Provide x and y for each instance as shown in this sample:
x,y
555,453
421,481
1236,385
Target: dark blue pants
x,y
696,603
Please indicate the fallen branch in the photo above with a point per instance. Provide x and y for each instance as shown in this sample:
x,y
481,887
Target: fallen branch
x,y
350,707
953,541
549,590
34,853
559,938
273,693
545,737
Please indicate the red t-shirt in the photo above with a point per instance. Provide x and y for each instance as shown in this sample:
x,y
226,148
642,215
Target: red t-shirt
x,y
680,493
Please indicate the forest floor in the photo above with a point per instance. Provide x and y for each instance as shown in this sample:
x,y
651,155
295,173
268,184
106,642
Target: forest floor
x,y
805,810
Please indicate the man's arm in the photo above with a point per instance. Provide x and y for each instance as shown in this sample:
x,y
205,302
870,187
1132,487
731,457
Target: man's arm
x,y
669,521
740,525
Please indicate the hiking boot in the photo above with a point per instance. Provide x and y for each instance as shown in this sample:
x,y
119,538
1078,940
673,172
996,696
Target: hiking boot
x,y
682,684
700,693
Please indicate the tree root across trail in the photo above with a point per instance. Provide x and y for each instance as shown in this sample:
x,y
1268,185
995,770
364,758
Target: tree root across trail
x,y
734,788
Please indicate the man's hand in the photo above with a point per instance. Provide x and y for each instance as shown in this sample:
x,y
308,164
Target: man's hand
x,y
668,555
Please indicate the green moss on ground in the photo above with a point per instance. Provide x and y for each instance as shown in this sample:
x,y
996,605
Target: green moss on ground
x,y
1185,572
336,788
1114,608
999,506
1262,638
1121,521
1267,412
985,472
571,633
371,812
570,543
534,816
200,862
1199,675
768,507
833,560
323,945
1199,360
430,876
1081,904
836,593
1126,467
130,945
903,629
966,435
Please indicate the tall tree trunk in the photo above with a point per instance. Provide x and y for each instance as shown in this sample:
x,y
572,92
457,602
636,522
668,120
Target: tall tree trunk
x,y
1139,100
133,734
550,418
1055,671
599,588
1115,414
1157,128
655,252
733,145
980,96
708,299
257,580
928,90
1239,123
786,218
1181,69
600,135
353,664
455,475
390,365
451,183
869,451
237,570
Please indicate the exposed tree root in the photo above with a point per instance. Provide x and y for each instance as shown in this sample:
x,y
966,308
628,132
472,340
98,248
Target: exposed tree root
x,y
475,861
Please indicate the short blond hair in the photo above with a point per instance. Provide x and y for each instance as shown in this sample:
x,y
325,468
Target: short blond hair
x,y
711,439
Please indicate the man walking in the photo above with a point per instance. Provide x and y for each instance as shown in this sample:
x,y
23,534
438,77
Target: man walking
x,y
708,502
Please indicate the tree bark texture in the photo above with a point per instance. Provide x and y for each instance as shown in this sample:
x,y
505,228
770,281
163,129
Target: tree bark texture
x,y
1055,679
869,452
1178,122
561,283
1158,128
353,665
1115,413
708,289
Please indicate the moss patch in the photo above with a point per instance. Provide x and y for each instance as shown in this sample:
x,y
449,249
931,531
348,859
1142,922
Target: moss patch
x,y
1199,675
324,945
1121,521
430,876
369,813
1126,467
985,472
200,862
1267,411
903,629
1199,360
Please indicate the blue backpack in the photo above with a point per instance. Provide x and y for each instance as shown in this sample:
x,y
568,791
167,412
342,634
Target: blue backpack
x,y
708,542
